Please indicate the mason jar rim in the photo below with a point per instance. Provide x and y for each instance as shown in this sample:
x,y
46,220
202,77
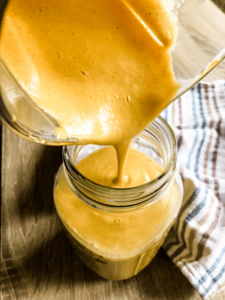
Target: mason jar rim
x,y
166,170
122,196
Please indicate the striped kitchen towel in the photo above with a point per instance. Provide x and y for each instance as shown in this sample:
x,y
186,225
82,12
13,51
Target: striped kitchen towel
x,y
196,244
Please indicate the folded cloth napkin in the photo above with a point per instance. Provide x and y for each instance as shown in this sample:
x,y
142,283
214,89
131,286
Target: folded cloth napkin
x,y
196,243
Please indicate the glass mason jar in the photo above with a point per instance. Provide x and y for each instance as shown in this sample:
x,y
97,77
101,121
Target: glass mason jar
x,y
117,232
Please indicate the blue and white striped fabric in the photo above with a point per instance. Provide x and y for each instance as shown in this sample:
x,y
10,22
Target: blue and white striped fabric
x,y
196,244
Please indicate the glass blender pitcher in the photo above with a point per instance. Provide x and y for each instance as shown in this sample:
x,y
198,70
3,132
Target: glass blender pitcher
x,y
201,23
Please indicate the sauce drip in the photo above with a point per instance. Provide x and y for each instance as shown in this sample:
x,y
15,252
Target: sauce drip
x,y
101,168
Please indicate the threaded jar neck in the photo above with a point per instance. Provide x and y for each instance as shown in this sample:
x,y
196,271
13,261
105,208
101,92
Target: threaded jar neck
x,y
157,141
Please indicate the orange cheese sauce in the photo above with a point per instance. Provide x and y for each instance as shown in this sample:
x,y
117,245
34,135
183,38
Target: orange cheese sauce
x,y
103,71
116,234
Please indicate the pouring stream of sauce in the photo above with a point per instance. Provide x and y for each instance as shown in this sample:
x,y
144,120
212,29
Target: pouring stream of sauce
x,y
102,69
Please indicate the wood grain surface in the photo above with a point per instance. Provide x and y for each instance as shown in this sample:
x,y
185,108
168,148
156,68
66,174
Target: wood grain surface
x,y
37,260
